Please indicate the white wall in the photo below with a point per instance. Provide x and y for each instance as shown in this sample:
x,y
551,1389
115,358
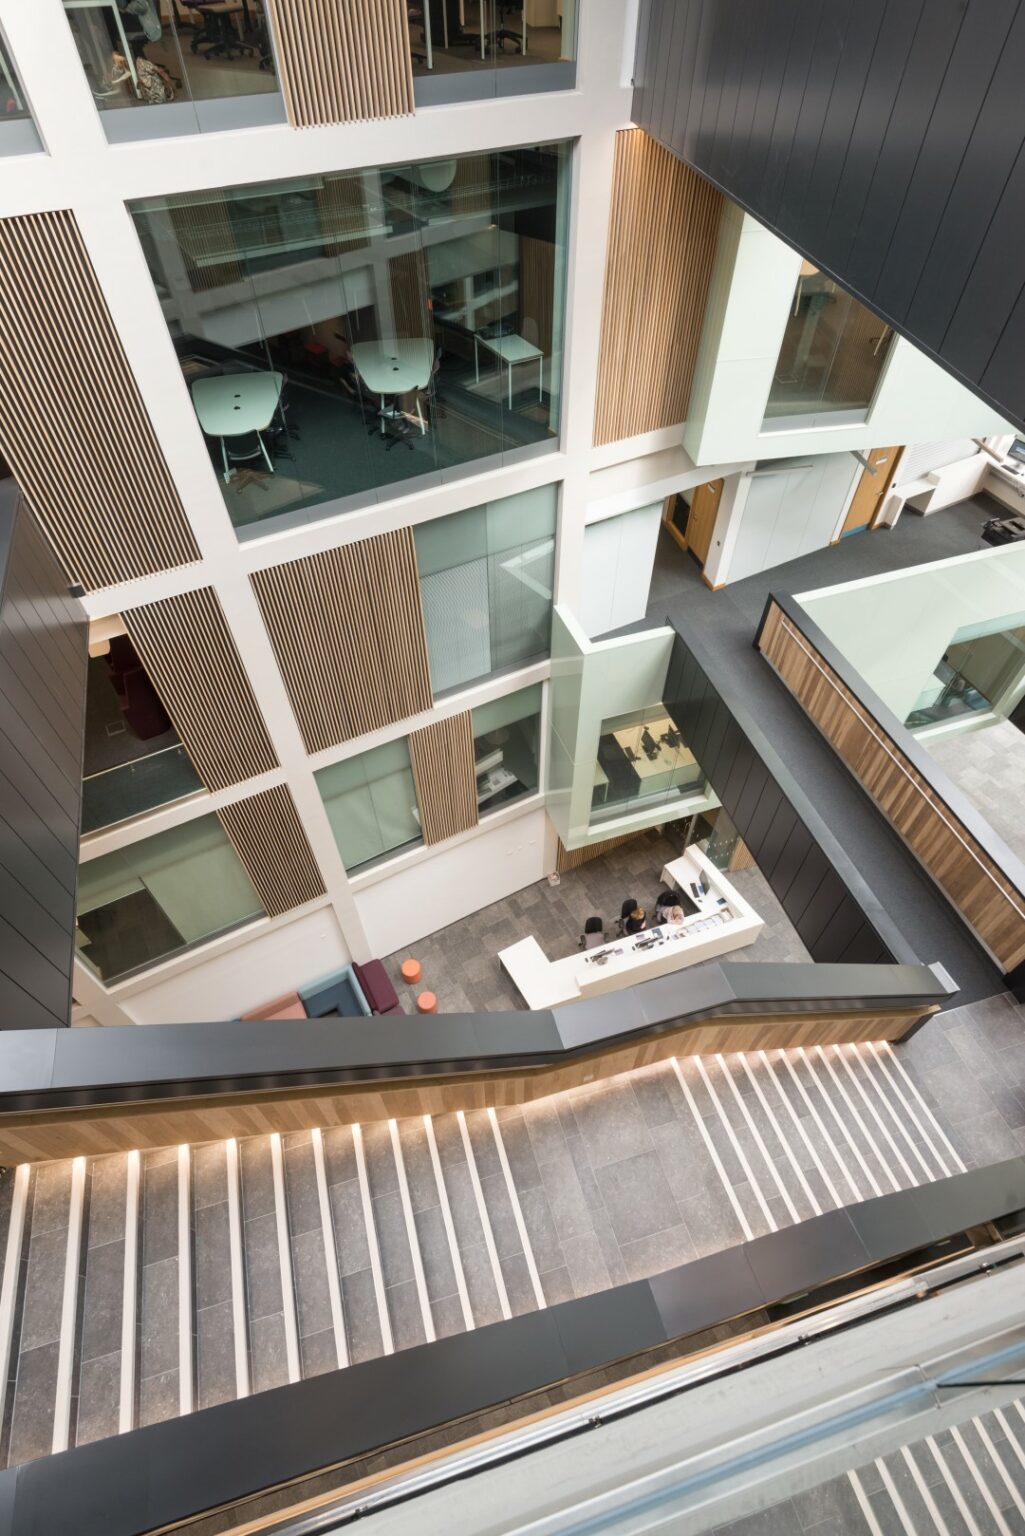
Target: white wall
x,y
458,880
789,511
894,629
618,556
274,962
751,295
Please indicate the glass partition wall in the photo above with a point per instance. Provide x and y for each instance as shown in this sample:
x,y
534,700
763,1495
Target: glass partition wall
x,y
17,131
642,761
831,359
159,53
371,804
346,336
506,733
478,39
161,896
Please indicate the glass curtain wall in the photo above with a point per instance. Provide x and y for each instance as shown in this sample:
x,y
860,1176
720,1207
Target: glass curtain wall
x,y
145,53
506,733
831,359
371,803
346,336
642,761
159,897
479,37
486,582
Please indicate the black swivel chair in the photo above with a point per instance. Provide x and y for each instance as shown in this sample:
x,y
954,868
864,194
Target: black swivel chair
x,y
593,936
629,905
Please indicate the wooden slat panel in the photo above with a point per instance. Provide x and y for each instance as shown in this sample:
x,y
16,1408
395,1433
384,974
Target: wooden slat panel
x,y
410,283
343,61
271,843
446,785
73,1133
663,226
72,424
187,649
991,905
571,858
347,629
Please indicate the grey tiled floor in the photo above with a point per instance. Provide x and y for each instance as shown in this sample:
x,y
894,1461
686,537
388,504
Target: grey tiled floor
x,y
989,766
460,963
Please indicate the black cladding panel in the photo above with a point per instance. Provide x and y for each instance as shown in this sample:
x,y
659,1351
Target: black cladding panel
x,y
807,881
883,139
43,659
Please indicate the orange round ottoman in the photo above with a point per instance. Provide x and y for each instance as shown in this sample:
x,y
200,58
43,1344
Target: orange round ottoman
x,y
427,1003
410,970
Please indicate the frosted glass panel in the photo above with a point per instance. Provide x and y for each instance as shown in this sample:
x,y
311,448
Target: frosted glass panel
x,y
486,577
371,804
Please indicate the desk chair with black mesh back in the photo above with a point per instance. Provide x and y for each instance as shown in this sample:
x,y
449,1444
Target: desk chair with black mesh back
x,y
505,34
220,37
593,936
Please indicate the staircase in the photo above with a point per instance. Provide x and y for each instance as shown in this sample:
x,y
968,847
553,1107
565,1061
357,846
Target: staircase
x,y
149,1284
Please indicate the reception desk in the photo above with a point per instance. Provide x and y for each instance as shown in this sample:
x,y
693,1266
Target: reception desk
x,y
724,922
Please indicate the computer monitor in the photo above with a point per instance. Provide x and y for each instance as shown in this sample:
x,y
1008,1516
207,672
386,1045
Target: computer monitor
x,y
1017,450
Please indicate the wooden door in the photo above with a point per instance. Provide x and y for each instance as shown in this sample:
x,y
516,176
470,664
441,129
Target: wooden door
x,y
871,489
703,509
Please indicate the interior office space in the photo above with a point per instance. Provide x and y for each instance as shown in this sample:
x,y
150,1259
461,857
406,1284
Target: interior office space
x,y
509,699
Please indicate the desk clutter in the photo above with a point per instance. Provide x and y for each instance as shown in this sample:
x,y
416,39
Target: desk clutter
x,y
355,991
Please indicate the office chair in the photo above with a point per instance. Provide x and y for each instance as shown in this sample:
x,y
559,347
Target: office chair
x,y
628,906
219,39
593,936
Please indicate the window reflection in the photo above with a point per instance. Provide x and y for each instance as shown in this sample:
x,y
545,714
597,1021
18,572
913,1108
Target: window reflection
x,y
832,355
159,897
505,748
972,675
141,53
340,334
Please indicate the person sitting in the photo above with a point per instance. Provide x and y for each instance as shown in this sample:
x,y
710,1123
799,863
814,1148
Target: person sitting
x,y
666,899
593,936
674,916
635,921
628,906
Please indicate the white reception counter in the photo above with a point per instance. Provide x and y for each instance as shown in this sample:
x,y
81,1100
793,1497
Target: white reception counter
x,y
725,921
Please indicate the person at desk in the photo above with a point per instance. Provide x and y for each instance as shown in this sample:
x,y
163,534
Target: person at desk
x,y
649,744
635,922
674,916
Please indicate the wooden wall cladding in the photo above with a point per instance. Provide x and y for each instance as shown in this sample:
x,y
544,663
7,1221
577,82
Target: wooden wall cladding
x,y
572,858
987,900
446,785
271,843
348,631
72,424
663,227
88,1132
43,669
343,61
187,649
